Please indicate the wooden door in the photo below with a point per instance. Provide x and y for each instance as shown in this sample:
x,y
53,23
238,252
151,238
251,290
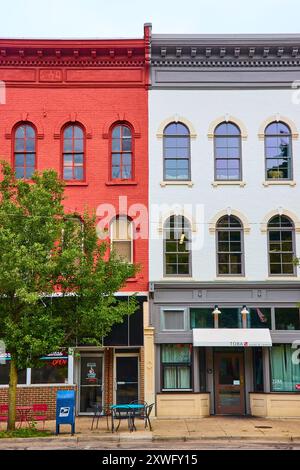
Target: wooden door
x,y
229,383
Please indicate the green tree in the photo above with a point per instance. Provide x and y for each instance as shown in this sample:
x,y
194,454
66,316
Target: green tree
x,y
57,280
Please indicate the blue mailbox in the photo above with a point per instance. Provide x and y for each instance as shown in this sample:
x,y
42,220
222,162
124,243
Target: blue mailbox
x,y
65,409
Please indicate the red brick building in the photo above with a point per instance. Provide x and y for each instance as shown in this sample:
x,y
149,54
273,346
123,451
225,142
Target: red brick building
x,y
81,108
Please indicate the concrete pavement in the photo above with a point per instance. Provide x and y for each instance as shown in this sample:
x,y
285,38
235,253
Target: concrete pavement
x,y
213,428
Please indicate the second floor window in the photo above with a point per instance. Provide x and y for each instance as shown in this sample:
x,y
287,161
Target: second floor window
x,y
229,246
278,151
24,151
73,153
227,140
121,153
281,241
177,240
122,238
176,152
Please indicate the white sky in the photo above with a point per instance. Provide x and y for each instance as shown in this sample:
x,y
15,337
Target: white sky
x,y
125,18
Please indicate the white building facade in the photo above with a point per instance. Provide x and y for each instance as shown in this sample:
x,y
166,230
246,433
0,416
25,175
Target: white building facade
x,y
224,182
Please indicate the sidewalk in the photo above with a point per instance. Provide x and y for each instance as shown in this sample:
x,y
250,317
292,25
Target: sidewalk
x,y
212,428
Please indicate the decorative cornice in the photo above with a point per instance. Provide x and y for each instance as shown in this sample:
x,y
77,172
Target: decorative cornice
x,y
226,51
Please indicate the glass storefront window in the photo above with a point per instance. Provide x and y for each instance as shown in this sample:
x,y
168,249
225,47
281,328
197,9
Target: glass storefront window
x,y
4,374
287,319
230,318
285,368
53,370
259,318
201,318
176,366
258,376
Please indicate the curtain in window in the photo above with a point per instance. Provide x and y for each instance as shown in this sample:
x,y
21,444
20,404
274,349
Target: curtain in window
x,y
285,371
176,353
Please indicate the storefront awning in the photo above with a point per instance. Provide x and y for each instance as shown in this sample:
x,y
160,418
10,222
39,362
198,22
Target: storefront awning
x,y
233,337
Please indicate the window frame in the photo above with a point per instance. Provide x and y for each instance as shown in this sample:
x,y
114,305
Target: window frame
x,y
170,309
216,179
111,152
62,141
242,252
177,365
165,229
280,229
14,152
290,136
131,235
188,179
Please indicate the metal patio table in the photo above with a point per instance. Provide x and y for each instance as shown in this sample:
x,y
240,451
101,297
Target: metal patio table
x,y
126,411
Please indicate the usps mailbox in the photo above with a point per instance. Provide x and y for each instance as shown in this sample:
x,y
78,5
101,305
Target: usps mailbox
x,y
65,409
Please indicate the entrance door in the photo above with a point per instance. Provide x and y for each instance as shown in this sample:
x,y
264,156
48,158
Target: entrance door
x,y
91,381
229,383
127,379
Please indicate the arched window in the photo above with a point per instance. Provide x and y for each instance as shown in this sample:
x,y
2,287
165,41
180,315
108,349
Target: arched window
x,y
122,238
228,152
73,153
281,245
177,152
24,151
278,151
122,153
230,246
177,246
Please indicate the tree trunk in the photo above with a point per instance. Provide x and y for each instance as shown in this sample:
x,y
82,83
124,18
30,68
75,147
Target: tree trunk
x,y
12,395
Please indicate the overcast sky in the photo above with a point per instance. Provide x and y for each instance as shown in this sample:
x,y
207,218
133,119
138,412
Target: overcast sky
x,y
125,18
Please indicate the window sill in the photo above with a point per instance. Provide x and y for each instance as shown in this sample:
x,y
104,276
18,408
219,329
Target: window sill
x,y
76,183
121,183
163,184
231,278
279,183
215,184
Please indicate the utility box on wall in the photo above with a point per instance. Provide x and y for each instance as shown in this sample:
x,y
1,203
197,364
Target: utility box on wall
x,y
65,409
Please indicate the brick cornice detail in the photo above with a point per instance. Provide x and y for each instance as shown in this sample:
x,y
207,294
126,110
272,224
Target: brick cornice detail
x,y
72,118
125,118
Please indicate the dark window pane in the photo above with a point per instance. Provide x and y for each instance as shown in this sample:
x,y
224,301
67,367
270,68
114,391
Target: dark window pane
x,y
126,145
259,318
78,132
68,173
30,132
30,145
201,318
19,145
68,132
78,158
20,131
78,145
287,319
19,161
19,172
126,131
78,173
30,159
68,145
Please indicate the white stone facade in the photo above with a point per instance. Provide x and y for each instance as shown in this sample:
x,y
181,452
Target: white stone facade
x,y
251,199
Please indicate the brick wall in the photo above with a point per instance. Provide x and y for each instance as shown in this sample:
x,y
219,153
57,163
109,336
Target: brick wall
x,y
29,395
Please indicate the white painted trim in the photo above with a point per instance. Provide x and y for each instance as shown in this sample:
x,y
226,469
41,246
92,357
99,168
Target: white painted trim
x,y
215,184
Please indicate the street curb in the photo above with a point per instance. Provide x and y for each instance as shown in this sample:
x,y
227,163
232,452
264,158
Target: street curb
x,y
126,438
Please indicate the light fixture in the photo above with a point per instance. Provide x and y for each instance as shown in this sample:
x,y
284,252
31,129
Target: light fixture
x,y
216,310
244,310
